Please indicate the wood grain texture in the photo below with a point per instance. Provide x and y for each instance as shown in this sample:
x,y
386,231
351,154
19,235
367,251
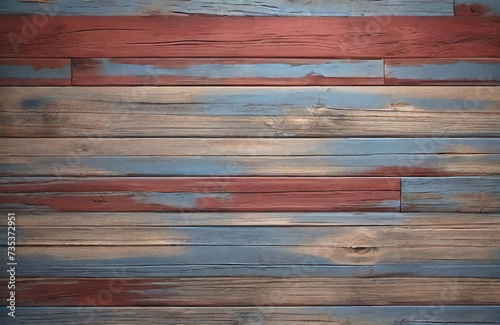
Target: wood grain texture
x,y
335,237
255,72
268,291
455,194
442,72
35,72
231,8
477,8
212,194
249,111
171,219
367,165
258,37
282,261
171,147
265,315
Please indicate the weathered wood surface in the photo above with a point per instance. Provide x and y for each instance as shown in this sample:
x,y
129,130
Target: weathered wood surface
x,y
265,315
231,8
367,165
64,147
35,72
249,111
283,261
204,194
271,37
265,291
451,194
477,8
255,72
442,71
157,219
335,237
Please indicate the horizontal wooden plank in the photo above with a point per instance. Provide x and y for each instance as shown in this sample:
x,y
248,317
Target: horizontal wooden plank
x,y
249,111
231,8
64,147
165,219
265,291
451,194
442,72
203,194
477,8
362,238
35,72
264,315
368,165
256,72
283,261
292,37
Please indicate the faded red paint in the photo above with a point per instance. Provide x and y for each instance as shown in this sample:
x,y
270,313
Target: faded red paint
x,y
474,9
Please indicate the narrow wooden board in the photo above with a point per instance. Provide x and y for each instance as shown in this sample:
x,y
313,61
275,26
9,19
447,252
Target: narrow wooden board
x,y
356,238
442,72
258,37
35,72
231,8
367,165
264,315
477,8
234,291
249,111
172,219
281,261
256,72
171,147
455,194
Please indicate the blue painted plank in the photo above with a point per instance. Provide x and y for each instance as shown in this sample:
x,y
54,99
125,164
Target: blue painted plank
x,y
264,315
442,72
35,72
231,8
451,194
226,72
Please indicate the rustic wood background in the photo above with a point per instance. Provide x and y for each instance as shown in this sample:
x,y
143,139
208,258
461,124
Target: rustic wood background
x,y
252,162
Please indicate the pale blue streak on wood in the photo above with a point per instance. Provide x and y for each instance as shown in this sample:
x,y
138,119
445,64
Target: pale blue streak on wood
x,y
328,69
447,71
233,7
27,72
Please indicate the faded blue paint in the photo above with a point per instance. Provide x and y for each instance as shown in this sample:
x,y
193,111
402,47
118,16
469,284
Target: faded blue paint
x,y
231,8
380,315
186,200
329,69
457,71
8,71
34,104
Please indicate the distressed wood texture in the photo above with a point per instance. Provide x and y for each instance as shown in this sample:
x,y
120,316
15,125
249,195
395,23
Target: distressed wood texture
x,y
230,8
354,261
442,72
35,72
452,194
203,194
265,291
255,72
264,315
172,219
477,8
258,37
249,111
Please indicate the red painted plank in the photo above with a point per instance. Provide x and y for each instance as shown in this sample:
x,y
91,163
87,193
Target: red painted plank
x,y
199,184
259,194
196,36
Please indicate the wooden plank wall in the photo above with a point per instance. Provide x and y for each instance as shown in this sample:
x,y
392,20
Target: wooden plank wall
x,y
251,162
